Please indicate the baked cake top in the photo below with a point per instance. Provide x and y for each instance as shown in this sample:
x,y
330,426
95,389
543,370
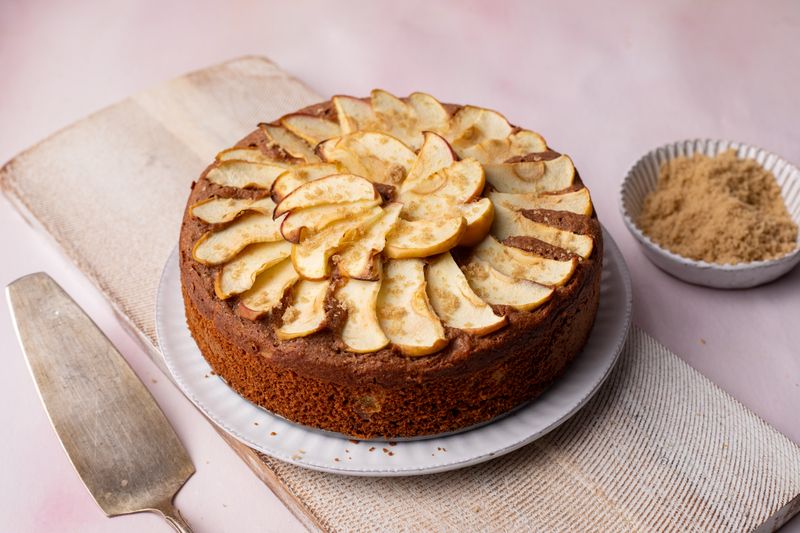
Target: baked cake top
x,y
375,208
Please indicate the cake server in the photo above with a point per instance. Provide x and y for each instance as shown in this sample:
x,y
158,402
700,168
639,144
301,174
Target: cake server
x,y
114,433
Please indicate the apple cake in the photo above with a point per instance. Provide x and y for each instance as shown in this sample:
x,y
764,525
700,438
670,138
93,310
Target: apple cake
x,y
390,267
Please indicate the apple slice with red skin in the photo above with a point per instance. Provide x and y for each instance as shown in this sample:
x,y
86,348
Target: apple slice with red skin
x,y
336,189
292,178
302,221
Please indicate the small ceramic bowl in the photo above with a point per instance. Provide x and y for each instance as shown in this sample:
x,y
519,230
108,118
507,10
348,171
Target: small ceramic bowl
x,y
642,179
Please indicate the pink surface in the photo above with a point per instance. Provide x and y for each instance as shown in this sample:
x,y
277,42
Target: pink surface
x,y
603,83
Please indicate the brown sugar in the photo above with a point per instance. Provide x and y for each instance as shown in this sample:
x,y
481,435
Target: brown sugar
x,y
718,209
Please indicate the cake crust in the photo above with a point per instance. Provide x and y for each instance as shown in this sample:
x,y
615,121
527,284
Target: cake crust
x,y
315,381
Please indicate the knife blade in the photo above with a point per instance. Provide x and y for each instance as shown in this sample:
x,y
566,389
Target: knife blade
x,y
117,438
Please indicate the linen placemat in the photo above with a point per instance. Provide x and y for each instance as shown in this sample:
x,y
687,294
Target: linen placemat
x,y
659,446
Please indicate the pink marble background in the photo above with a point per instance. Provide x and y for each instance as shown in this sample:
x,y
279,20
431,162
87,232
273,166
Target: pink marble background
x,y
603,81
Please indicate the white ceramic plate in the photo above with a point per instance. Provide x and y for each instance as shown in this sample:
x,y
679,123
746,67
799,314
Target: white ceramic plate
x,y
328,452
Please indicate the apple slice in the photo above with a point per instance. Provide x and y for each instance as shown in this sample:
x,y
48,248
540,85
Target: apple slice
x,y
354,114
573,201
435,155
404,312
525,142
479,217
216,210
522,264
461,182
455,302
359,260
310,257
242,174
296,176
267,292
239,275
473,125
431,114
362,332
498,289
531,176
423,238
311,128
251,155
306,312
214,248
510,222
336,189
313,219
289,142
397,118
521,143
378,157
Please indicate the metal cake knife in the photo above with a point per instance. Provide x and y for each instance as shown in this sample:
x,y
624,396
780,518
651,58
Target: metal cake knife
x,y
117,438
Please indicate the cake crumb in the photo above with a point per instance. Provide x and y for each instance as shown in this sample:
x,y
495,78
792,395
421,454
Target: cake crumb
x,y
718,209
390,454
392,443
336,459
702,341
255,423
355,441
386,450
371,448
272,433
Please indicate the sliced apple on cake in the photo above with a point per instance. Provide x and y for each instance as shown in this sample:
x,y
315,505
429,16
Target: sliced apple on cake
x,y
578,202
404,312
311,128
267,292
238,275
217,247
498,289
245,174
362,332
378,157
511,222
454,300
306,312
531,176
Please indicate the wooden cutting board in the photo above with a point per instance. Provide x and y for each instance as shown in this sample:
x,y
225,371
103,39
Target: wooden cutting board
x,y
659,447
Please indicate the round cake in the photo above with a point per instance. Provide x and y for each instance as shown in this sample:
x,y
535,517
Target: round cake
x,y
389,267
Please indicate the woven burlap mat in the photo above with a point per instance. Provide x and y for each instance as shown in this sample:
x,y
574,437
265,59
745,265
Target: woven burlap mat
x,y
659,447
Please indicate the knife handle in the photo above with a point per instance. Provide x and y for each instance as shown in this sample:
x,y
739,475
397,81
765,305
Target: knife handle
x,y
173,517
